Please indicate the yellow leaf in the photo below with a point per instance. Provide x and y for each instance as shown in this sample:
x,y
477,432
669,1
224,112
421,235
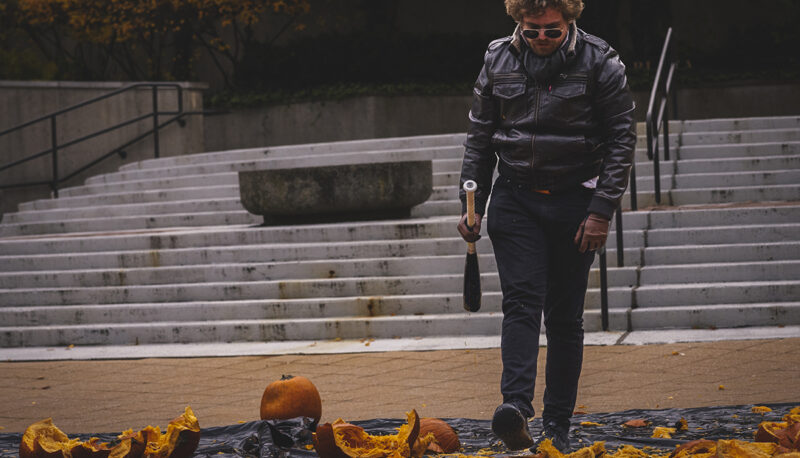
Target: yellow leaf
x,y
663,432
761,409
590,423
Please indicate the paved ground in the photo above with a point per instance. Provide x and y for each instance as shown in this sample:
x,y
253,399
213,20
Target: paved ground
x,y
113,395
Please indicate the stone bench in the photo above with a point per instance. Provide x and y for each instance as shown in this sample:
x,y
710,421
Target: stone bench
x,y
349,192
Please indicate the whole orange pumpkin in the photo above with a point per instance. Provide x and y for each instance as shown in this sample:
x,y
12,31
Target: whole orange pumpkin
x,y
291,397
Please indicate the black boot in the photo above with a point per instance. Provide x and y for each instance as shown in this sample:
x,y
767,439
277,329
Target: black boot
x,y
558,433
511,427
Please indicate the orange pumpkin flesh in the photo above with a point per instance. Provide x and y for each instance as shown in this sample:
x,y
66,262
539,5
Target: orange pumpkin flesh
x,y
341,440
44,440
291,397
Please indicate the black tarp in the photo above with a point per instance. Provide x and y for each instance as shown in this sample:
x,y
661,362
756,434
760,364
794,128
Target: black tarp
x,y
262,439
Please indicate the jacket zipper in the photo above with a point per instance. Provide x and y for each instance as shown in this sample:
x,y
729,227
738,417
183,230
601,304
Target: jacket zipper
x,y
535,119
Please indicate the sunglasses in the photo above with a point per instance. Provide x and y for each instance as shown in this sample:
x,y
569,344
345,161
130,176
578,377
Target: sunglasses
x,y
549,33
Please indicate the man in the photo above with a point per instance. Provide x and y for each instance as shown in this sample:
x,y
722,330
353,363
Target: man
x,y
552,103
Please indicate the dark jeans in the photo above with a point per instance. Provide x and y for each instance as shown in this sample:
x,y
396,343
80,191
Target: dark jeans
x,y
541,270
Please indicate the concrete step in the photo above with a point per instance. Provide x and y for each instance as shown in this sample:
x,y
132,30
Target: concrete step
x,y
186,329
788,148
212,218
206,310
291,288
222,204
716,316
736,179
729,124
421,153
140,197
253,330
717,235
174,238
259,309
720,195
312,149
739,136
739,252
726,165
216,179
255,254
745,292
157,209
249,272
689,217
721,272
170,194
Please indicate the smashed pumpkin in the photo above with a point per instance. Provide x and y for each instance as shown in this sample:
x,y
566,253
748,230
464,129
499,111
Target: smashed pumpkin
x,y
44,440
785,433
446,439
290,397
342,440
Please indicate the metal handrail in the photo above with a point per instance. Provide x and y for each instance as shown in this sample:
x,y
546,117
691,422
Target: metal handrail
x,y
655,125
55,146
653,129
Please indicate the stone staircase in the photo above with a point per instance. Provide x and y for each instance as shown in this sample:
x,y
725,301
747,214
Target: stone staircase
x,y
161,251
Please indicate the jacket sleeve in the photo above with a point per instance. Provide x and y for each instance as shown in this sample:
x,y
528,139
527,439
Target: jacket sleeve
x,y
614,106
479,157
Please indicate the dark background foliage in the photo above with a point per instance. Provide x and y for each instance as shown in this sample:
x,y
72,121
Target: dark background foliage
x,y
354,47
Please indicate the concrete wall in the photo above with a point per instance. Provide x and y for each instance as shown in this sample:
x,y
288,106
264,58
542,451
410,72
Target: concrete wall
x,y
374,117
23,101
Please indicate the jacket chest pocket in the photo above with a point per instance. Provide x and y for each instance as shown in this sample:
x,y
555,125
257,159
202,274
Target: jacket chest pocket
x,y
570,86
568,102
509,90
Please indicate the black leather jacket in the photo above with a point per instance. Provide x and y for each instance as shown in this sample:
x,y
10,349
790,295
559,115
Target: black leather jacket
x,y
552,135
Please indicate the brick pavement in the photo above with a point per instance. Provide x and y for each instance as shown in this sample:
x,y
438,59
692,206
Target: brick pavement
x,y
110,396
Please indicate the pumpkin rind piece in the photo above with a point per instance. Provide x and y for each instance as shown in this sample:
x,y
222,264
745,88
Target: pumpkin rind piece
x,y
44,440
445,435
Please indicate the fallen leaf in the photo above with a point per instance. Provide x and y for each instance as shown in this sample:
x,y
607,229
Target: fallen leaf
x,y
721,387
663,432
590,423
637,423
579,412
761,409
682,425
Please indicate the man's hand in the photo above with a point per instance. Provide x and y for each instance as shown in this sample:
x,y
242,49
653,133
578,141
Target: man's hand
x,y
473,235
592,233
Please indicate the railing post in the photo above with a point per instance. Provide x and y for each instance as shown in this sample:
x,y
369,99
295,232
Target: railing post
x,y
155,122
620,243
54,155
634,203
656,168
666,129
603,289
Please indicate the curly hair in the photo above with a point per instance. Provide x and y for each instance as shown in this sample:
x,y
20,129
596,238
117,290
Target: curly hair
x,y
571,9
